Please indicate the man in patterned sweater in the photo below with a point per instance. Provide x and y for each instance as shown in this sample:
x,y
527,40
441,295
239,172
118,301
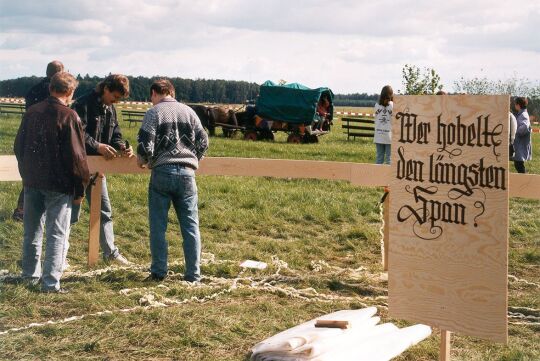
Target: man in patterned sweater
x,y
171,143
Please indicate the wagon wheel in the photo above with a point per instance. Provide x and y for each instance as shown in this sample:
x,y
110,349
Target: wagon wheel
x,y
294,138
236,134
310,138
266,135
250,135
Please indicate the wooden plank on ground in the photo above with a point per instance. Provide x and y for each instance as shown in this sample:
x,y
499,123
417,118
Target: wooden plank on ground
x,y
449,213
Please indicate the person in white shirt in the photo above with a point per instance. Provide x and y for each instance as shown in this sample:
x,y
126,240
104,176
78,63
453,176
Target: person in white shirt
x,y
512,126
383,125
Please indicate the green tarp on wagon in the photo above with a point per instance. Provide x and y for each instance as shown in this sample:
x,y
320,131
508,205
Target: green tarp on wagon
x,y
293,103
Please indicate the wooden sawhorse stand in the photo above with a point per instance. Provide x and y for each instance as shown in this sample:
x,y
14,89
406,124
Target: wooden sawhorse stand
x,y
95,220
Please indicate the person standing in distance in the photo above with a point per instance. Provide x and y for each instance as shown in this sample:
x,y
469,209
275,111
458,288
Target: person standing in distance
x,y
512,126
103,137
522,140
36,94
383,125
40,91
49,147
172,141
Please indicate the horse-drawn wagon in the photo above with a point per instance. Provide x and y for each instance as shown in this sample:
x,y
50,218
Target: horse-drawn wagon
x,y
303,113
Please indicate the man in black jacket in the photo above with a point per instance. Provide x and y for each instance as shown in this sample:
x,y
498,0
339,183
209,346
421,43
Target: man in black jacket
x,y
103,137
40,91
52,161
37,93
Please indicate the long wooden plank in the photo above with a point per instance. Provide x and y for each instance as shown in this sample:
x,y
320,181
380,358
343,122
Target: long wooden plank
x,y
359,174
525,185
9,169
277,168
370,175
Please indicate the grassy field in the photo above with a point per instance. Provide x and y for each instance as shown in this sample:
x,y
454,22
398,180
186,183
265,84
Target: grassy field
x,y
320,238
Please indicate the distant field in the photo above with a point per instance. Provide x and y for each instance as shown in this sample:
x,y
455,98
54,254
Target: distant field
x,y
142,107
368,110
322,236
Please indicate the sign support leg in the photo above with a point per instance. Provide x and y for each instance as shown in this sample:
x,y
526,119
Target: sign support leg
x,y
445,345
386,231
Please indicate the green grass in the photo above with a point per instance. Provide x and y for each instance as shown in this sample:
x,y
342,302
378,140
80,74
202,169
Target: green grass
x,y
301,222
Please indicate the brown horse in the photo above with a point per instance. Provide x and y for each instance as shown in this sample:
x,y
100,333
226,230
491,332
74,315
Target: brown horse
x,y
213,116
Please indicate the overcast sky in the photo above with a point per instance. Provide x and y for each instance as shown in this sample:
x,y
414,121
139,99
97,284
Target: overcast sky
x,y
348,45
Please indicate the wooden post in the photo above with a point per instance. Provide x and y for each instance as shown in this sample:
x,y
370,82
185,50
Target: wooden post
x,y
95,221
445,345
386,231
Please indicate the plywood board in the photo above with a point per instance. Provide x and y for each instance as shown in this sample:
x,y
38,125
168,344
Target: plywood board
x,y
449,213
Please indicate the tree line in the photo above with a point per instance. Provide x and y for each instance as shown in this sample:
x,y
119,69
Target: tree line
x,y
418,82
187,90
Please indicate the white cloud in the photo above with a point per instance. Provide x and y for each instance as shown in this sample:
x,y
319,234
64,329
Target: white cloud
x,y
348,45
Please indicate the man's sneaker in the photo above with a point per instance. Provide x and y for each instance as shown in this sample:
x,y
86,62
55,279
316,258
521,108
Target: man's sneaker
x,y
119,260
66,266
19,280
154,278
60,291
18,215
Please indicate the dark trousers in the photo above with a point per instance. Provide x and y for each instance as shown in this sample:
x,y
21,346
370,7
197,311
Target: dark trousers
x,y
520,166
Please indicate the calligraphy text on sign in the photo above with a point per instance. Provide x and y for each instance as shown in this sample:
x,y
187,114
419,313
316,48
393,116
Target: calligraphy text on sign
x,y
466,180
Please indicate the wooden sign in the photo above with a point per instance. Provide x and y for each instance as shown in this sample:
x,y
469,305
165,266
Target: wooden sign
x,y
448,260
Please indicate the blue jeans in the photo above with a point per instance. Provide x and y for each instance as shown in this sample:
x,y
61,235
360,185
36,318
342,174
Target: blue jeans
x,y
383,151
176,184
53,210
106,232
